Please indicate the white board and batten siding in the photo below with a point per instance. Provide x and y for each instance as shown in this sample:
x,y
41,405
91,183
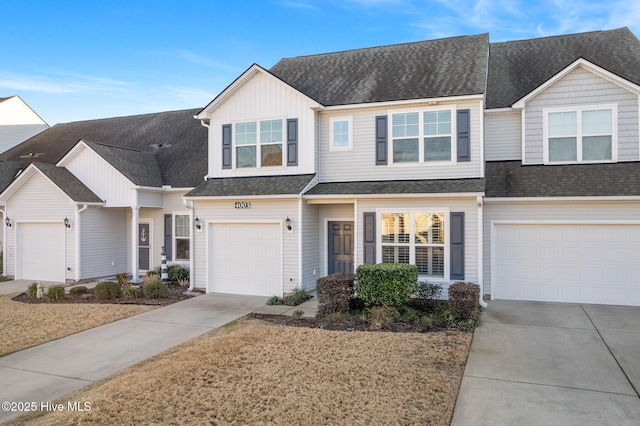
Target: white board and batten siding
x,y
264,97
582,88
571,251
468,206
359,163
40,202
264,212
503,135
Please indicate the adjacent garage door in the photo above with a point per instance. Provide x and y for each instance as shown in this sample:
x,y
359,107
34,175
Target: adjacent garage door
x,y
595,263
246,259
41,252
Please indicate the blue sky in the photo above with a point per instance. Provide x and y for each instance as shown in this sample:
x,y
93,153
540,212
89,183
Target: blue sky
x,y
75,60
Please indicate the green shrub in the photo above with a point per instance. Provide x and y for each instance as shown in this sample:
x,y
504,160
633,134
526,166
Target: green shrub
x,y
274,301
464,300
177,272
155,290
80,289
32,290
389,284
335,293
107,290
407,314
429,291
55,292
130,292
298,313
298,296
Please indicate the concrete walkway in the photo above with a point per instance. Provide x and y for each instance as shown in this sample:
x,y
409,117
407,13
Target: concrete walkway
x,y
552,364
49,371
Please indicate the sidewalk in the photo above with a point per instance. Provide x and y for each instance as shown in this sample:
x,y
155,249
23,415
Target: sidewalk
x,y
49,371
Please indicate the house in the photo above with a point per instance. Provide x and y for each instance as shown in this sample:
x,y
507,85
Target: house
x,y
513,165
18,122
87,187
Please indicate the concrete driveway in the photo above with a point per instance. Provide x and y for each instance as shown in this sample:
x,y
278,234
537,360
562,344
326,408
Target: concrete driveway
x,y
546,364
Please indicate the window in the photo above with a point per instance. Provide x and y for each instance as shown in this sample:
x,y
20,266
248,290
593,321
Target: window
x,y
417,238
261,149
182,226
340,134
579,135
432,129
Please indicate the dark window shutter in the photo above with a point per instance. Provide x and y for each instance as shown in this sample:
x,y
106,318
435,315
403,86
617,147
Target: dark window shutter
x,y
226,146
370,237
381,140
457,246
168,235
292,142
464,139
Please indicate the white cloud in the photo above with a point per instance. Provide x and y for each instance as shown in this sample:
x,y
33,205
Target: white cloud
x,y
59,83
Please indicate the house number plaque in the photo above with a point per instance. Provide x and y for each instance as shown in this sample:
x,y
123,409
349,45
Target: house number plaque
x,y
242,204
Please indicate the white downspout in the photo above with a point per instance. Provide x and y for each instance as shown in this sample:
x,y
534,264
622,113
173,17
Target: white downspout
x,y
481,249
77,242
192,281
135,217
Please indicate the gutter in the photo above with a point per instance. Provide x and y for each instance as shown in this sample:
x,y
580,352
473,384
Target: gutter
x,y
77,237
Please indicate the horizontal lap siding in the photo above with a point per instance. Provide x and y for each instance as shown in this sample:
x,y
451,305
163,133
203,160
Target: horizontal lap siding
x,y
359,164
103,242
503,136
536,210
38,200
261,210
580,88
310,245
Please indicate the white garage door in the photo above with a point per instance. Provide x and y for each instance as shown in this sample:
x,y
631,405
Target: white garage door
x,y
40,252
595,263
246,259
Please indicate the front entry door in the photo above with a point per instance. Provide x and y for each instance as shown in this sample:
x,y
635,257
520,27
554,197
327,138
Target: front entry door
x,y
144,242
340,256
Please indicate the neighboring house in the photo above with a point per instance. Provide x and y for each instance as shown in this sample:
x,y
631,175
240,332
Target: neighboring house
x,y
513,165
91,186
18,122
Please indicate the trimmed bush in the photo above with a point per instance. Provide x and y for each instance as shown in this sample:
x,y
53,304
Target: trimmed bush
x,y
177,272
55,292
107,290
389,284
130,292
32,290
78,290
334,293
429,291
464,300
155,290
122,279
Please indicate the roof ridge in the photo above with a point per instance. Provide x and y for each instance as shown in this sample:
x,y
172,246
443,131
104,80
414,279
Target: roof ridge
x,y
117,147
561,35
129,116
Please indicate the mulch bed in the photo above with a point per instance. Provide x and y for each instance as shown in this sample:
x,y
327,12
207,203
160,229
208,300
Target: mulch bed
x,y
176,294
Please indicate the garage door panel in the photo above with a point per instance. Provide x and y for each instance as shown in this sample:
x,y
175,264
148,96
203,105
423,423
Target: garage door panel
x,y
41,251
568,263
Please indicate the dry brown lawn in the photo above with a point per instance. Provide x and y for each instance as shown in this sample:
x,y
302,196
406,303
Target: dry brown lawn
x,y
24,325
255,372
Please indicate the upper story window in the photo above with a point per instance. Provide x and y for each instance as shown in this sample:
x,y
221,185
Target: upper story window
x,y
259,149
422,136
340,134
581,135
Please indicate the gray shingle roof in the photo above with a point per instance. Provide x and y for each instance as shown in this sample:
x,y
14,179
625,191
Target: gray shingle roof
x,y
426,69
247,186
8,171
68,183
399,187
178,141
512,179
140,167
516,68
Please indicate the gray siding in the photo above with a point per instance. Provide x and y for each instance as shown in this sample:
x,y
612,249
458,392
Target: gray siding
x,y
310,246
103,242
579,88
12,135
503,136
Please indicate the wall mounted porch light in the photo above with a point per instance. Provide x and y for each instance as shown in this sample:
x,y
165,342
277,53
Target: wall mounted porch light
x,y
287,223
7,222
197,223
67,224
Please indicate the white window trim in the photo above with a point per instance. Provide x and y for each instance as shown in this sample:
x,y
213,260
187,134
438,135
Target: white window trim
x,y
412,245
349,147
579,110
421,136
174,237
259,143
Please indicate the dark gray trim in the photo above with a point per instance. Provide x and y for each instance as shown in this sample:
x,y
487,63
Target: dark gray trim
x,y
369,240
463,139
381,140
227,147
292,142
168,235
457,246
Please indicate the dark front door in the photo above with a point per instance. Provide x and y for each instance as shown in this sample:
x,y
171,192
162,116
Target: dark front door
x,y
340,247
144,239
